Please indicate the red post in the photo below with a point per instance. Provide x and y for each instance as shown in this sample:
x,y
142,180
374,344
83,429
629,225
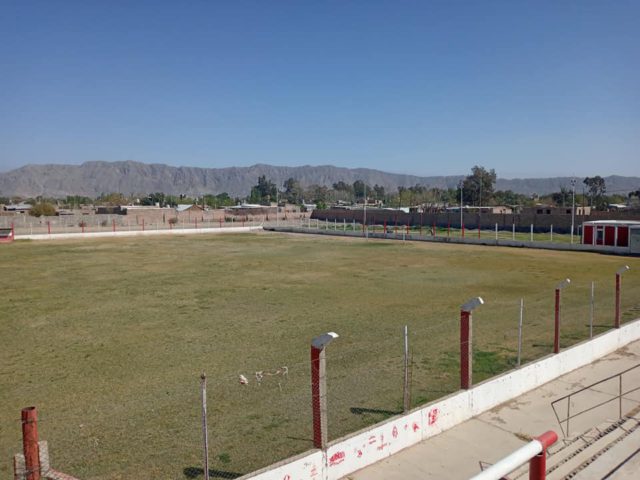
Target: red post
x,y
220,223
113,223
538,464
13,232
196,222
82,224
48,227
465,350
407,228
385,227
478,229
617,317
462,227
434,229
556,336
448,229
30,442
316,353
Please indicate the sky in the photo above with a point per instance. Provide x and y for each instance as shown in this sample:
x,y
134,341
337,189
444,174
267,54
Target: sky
x,y
531,89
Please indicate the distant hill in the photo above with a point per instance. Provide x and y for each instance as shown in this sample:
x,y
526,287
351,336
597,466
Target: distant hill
x,y
93,178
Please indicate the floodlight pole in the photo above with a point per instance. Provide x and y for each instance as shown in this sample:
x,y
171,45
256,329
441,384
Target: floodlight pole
x,y
573,206
466,353
319,388
619,273
556,335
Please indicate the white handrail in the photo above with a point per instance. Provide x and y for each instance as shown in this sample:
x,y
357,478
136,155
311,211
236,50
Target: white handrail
x,y
527,453
510,462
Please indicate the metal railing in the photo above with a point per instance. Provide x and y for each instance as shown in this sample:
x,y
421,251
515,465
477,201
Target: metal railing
x,y
534,452
620,396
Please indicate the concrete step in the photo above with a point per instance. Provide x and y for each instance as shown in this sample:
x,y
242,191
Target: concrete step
x,y
570,454
594,443
615,459
555,455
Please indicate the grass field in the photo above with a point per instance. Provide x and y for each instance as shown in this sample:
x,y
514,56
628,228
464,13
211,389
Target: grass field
x,y
108,338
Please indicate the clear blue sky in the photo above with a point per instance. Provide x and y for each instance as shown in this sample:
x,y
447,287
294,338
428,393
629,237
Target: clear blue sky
x,y
528,88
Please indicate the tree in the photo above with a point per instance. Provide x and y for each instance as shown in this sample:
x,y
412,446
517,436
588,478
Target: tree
x,y
43,209
477,188
153,199
360,189
596,187
292,191
378,192
561,198
112,199
264,191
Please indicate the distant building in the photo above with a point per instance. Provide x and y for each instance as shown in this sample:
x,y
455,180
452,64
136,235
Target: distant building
x,y
189,207
496,209
613,233
551,210
17,208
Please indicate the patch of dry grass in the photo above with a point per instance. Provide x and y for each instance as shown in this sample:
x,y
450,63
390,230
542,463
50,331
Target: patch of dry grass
x,y
108,338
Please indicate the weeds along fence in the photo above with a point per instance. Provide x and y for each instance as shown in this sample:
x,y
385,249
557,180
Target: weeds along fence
x,y
264,411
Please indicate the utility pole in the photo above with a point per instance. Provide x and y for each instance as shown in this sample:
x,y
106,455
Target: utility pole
x,y
364,221
573,206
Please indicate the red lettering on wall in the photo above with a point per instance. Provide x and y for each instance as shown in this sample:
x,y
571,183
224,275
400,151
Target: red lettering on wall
x,y
336,458
433,416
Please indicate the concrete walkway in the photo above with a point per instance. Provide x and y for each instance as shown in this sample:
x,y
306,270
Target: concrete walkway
x,y
457,453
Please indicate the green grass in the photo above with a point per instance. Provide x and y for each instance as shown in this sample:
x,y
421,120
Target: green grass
x,y
108,338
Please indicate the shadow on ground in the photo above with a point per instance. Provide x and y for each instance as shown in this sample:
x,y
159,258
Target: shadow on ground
x,y
195,472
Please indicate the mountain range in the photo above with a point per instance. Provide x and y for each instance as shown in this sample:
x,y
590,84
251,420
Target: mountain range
x,y
128,177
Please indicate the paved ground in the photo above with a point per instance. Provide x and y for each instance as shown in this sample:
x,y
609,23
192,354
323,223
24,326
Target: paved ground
x,y
457,453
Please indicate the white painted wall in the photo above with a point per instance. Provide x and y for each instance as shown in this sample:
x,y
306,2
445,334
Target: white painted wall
x,y
368,446
126,233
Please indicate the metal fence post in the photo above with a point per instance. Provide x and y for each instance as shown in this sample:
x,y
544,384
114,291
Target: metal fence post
x,y
205,434
619,273
406,396
556,336
520,331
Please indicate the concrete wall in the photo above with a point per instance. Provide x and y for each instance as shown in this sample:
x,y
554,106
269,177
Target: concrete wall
x,y
523,222
371,445
136,233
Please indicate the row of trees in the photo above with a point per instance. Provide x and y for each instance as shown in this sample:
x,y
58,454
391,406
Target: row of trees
x,y
476,189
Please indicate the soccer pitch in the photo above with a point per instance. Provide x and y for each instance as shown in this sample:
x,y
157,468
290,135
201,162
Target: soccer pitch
x,y
108,338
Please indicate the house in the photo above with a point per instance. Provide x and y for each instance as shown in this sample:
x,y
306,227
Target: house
x,y
17,208
189,207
